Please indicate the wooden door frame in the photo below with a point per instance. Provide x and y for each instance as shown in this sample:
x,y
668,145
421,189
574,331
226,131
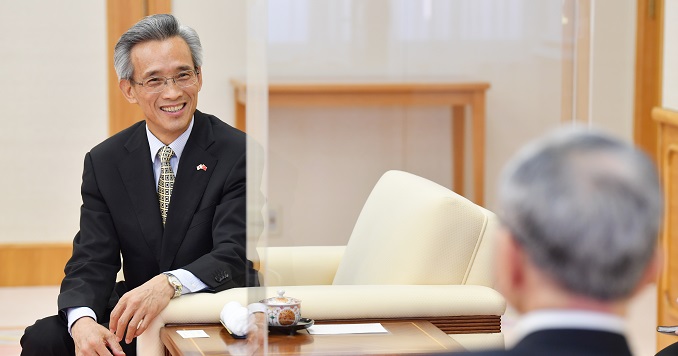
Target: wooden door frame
x,y
120,16
648,95
648,82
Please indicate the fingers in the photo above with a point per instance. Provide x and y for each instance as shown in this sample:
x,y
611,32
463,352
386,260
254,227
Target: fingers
x,y
138,307
121,319
94,339
119,328
115,317
143,325
133,327
114,345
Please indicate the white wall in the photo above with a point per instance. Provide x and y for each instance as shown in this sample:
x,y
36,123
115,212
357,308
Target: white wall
x,y
54,110
613,66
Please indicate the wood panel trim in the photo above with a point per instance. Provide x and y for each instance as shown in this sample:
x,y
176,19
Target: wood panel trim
x,y
120,16
667,148
666,116
648,80
33,264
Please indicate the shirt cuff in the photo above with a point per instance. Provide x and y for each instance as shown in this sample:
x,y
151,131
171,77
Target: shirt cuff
x,y
189,281
73,314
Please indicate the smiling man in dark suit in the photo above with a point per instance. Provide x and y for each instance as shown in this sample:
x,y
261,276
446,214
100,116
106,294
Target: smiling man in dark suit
x,y
193,242
580,212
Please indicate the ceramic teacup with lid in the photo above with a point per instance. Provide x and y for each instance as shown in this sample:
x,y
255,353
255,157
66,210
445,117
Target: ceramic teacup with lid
x,y
281,310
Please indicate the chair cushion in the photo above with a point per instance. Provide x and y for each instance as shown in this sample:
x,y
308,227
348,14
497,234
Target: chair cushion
x,y
412,231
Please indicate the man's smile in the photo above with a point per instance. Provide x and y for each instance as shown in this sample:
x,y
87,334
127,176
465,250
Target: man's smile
x,y
172,109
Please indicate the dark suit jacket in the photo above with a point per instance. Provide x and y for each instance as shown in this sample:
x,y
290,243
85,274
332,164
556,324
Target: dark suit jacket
x,y
561,342
205,229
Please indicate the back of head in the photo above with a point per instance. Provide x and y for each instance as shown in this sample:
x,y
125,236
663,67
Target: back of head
x,y
153,28
586,208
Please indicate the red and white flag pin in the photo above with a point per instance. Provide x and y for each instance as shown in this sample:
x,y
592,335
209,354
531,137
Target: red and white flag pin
x,y
201,166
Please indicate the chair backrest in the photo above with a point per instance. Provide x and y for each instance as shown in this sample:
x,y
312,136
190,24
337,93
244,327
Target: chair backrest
x,y
414,231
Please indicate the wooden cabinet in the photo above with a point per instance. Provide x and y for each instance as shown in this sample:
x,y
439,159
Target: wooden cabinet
x,y
667,160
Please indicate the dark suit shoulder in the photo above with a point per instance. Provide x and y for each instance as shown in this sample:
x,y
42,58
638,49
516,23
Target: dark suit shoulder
x,y
217,137
221,129
120,140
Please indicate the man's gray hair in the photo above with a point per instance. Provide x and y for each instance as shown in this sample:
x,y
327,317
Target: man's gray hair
x,y
586,208
153,28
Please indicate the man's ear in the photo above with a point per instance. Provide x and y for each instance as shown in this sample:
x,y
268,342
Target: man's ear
x,y
516,261
126,88
509,267
199,74
651,273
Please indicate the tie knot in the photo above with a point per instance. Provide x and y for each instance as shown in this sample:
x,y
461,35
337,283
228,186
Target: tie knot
x,y
165,154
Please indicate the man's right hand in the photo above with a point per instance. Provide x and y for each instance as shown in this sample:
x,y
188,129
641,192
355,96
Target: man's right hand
x,y
93,339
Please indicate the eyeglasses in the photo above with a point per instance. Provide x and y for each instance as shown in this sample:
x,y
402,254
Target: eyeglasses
x,y
157,84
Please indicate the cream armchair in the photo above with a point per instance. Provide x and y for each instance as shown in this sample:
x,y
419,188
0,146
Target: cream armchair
x,y
417,251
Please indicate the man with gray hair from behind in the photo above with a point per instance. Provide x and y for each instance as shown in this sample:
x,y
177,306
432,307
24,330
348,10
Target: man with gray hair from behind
x,y
580,214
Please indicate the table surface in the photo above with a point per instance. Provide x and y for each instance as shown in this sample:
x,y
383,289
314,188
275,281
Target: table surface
x,y
405,337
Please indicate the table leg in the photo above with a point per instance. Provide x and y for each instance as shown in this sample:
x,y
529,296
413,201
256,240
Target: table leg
x,y
478,112
240,115
458,133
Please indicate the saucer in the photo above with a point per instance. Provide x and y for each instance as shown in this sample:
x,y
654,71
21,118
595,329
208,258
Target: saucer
x,y
232,334
304,323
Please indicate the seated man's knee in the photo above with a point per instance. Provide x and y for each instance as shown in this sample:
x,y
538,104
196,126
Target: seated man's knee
x,y
48,336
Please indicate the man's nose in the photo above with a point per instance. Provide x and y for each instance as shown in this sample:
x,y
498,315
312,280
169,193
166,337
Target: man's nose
x,y
171,89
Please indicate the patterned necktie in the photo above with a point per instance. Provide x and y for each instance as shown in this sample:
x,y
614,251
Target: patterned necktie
x,y
165,181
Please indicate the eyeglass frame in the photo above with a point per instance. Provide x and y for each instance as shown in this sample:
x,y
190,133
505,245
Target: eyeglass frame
x,y
173,78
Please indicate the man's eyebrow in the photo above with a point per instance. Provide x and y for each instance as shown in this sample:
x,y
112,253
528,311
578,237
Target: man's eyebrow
x,y
179,69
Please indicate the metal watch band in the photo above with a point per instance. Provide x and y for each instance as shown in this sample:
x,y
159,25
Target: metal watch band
x,y
175,283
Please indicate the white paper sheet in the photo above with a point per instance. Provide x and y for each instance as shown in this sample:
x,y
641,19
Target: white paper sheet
x,y
190,334
336,329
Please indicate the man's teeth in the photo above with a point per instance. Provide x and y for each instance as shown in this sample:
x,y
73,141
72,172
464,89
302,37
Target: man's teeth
x,y
172,108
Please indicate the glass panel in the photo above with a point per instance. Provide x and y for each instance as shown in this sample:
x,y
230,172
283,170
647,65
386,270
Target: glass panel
x,y
234,42
327,153
257,136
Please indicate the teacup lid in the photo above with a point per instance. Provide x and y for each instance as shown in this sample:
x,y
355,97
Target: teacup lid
x,y
280,299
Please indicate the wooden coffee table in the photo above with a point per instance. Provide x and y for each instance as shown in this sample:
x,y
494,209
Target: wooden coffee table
x,y
406,337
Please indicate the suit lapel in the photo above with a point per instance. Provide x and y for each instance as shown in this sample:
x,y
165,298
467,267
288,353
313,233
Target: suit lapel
x,y
189,187
136,170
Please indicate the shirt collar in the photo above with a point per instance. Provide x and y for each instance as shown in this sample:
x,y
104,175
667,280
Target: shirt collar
x,y
567,319
177,146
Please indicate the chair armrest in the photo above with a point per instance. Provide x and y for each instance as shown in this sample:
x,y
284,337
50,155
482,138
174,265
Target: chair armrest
x,y
347,301
299,265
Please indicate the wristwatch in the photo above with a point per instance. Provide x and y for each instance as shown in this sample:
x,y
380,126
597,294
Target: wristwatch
x,y
175,283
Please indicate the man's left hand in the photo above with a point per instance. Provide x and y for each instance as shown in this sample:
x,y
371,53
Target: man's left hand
x,y
138,307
